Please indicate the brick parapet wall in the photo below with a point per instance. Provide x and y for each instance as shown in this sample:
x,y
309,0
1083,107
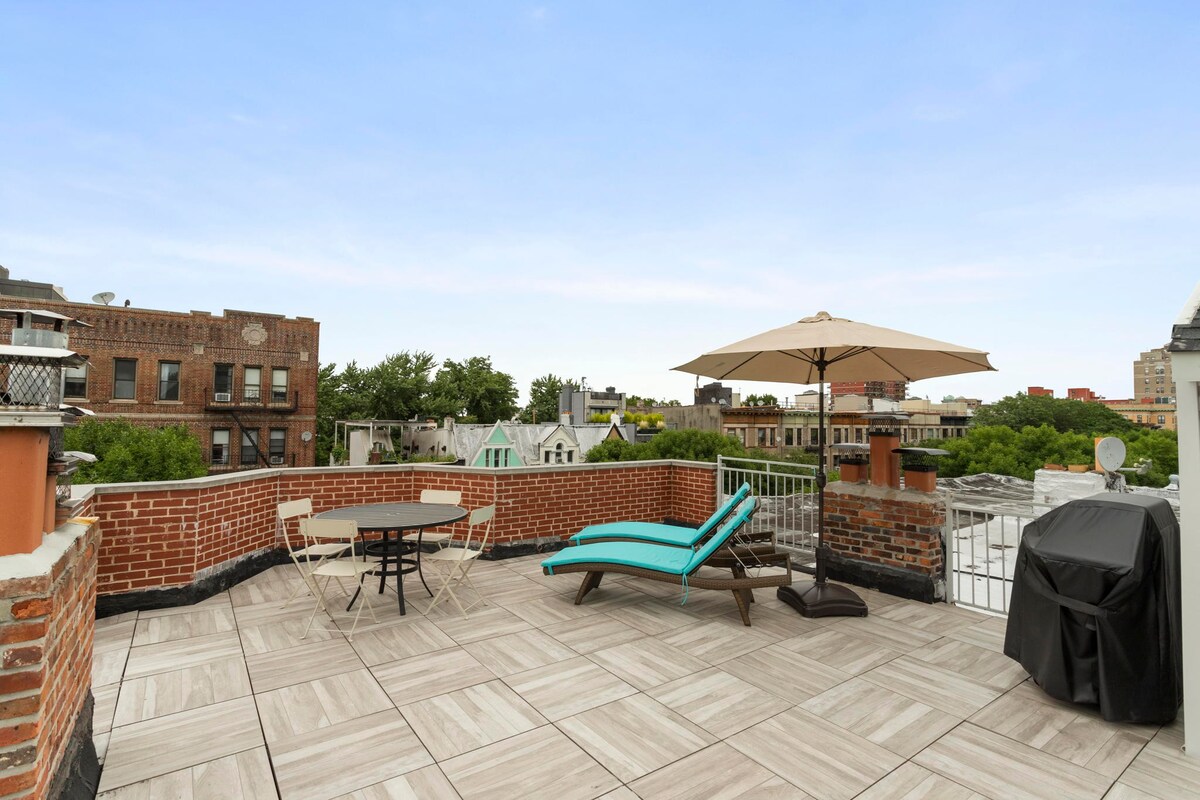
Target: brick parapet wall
x,y
167,535
890,527
47,621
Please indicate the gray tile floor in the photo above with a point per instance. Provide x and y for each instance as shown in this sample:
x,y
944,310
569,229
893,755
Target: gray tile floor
x,y
630,695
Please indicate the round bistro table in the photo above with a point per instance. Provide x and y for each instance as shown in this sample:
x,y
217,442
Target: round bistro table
x,y
400,557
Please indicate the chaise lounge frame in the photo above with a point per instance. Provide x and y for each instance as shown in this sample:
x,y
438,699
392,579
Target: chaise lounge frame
x,y
740,584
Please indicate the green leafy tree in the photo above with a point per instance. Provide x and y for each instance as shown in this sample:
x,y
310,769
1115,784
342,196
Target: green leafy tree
x,y
1064,415
128,454
1001,450
395,388
543,398
474,390
613,450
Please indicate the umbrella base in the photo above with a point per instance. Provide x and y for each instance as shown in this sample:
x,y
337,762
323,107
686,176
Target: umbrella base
x,y
814,599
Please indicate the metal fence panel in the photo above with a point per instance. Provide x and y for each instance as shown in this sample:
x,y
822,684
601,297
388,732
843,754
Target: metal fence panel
x,y
787,499
981,541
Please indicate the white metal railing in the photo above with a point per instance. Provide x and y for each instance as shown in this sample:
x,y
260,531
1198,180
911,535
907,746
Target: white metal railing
x,y
981,540
787,500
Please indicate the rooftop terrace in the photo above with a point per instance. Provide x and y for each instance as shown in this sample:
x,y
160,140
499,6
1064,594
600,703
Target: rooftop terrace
x,y
629,695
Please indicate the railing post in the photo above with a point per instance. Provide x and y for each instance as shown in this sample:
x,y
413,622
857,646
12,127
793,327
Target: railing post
x,y
948,574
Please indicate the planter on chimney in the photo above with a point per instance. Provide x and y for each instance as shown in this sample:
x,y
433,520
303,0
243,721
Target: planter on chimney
x,y
853,470
921,477
1078,467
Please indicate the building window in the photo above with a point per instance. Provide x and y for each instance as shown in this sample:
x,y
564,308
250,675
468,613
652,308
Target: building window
x,y
546,457
858,435
496,457
1162,419
558,453
220,446
124,378
249,448
222,382
277,446
788,434
75,381
1139,419
168,380
252,384
279,385
570,456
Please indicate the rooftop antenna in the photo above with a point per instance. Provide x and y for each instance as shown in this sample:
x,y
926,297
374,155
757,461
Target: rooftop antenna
x,y
104,297
1110,454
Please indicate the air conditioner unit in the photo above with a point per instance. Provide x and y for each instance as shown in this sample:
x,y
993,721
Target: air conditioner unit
x,y
276,459
222,397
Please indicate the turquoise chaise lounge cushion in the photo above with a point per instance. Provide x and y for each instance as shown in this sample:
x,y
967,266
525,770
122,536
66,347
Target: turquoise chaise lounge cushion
x,y
645,555
655,557
662,533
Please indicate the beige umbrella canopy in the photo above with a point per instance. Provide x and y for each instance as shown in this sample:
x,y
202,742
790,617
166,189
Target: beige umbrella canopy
x,y
824,348
851,351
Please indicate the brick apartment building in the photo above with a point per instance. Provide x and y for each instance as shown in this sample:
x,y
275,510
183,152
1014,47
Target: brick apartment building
x,y
244,383
886,390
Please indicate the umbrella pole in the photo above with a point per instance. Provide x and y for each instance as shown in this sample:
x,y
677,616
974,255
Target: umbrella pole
x,y
818,598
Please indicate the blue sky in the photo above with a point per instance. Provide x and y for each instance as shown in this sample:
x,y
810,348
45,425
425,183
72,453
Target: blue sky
x,y
609,189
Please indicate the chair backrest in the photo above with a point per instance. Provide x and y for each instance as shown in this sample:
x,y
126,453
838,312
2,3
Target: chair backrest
x,y
721,537
295,508
324,531
445,496
724,511
480,517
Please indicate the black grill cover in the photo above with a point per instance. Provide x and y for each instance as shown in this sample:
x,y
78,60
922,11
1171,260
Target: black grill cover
x,y
1095,615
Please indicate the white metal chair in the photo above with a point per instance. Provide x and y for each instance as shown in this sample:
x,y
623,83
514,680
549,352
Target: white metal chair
x,y
342,532
445,497
312,554
453,564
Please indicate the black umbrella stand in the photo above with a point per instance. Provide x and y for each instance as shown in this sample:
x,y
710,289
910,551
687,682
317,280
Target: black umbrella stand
x,y
819,598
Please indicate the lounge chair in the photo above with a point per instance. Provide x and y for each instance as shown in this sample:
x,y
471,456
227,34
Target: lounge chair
x,y
678,565
658,532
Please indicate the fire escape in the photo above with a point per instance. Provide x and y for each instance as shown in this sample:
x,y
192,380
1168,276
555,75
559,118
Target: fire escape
x,y
251,400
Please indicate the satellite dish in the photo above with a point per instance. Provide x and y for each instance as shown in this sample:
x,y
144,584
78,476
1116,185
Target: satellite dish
x,y
104,297
1110,452
306,436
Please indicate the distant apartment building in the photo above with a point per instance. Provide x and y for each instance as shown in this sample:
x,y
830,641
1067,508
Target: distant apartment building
x,y
1153,401
1083,393
1152,377
244,383
886,390
1146,415
581,404
1039,391
784,429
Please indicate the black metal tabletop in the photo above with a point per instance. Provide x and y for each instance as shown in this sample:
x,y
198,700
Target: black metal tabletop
x,y
397,516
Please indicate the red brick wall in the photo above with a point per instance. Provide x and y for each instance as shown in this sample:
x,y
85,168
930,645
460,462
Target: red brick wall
x,y
892,527
46,627
151,336
167,534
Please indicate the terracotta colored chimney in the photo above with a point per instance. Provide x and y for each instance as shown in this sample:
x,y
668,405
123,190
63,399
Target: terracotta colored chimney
x,y
884,435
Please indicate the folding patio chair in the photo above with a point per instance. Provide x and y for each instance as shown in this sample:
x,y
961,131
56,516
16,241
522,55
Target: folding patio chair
x,y
312,554
342,532
453,564
444,497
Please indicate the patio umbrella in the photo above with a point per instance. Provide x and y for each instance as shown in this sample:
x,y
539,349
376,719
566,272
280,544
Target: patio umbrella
x,y
821,348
